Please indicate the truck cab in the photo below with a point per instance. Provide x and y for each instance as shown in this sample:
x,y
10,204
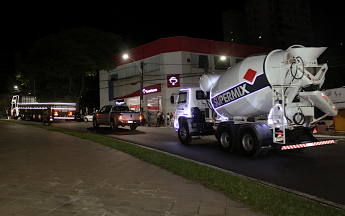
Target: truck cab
x,y
188,98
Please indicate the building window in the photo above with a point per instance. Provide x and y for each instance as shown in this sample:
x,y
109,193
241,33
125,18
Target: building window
x,y
199,61
152,64
203,61
114,77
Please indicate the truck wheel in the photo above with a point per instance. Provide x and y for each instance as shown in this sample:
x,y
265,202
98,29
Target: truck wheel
x,y
95,123
183,134
249,143
226,141
133,126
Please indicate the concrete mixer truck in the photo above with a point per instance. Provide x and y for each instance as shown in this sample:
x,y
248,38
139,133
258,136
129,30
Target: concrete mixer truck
x,y
283,86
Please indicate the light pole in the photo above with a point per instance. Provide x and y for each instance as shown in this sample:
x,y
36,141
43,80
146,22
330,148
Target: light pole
x,y
125,56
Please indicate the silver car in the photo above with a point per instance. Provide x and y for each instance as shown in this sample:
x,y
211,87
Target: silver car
x,y
88,118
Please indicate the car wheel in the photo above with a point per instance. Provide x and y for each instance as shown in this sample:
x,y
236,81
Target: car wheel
x,y
113,125
85,120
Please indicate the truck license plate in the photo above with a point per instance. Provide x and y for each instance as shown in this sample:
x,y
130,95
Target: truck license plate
x,y
130,121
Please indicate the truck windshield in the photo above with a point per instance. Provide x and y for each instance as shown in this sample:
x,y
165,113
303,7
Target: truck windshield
x,y
182,97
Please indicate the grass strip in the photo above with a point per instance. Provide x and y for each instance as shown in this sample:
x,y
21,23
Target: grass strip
x,y
258,197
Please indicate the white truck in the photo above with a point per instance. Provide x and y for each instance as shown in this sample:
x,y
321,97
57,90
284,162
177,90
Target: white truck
x,y
26,107
263,102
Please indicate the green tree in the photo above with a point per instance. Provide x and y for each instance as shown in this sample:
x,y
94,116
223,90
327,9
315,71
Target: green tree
x,y
58,64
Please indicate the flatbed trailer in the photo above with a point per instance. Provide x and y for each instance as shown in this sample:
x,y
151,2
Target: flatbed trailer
x,y
27,108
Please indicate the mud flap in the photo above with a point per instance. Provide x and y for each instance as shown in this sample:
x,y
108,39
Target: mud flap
x,y
299,135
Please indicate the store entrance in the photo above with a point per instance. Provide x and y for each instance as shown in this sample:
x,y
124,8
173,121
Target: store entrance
x,y
133,103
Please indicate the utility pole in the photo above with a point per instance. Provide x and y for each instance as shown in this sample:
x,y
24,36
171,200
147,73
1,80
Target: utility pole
x,y
141,82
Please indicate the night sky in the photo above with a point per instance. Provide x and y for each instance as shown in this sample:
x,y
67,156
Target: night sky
x,y
140,23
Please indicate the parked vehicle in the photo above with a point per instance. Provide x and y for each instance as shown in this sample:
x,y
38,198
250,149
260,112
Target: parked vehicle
x,y
117,115
88,118
27,108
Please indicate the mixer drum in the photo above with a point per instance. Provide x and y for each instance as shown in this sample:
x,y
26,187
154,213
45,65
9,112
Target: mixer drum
x,y
249,94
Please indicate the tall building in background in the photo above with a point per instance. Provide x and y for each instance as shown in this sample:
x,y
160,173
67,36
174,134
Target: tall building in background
x,y
270,23
235,26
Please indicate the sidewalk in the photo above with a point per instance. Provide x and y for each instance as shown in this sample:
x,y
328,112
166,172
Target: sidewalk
x,y
49,173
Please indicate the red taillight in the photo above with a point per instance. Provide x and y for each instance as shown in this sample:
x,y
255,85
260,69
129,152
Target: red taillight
x,y
315,130
280,134
96,114
56,112
70,113
120,117
140,117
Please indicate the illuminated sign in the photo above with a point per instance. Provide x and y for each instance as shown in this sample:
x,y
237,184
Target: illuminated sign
x,y
119,102
148,91
173,80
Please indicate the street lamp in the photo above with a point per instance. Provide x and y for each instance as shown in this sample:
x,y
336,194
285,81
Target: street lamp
x,y
221,58
141,69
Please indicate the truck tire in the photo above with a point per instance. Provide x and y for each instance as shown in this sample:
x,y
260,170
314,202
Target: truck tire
x,y
95,123
249,143
133,126
183,134
226,141
113,125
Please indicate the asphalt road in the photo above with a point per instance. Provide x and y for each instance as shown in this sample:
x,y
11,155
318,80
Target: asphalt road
x,y
317,171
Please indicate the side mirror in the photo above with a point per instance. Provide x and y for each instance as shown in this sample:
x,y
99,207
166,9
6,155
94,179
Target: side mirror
x,y
172,99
